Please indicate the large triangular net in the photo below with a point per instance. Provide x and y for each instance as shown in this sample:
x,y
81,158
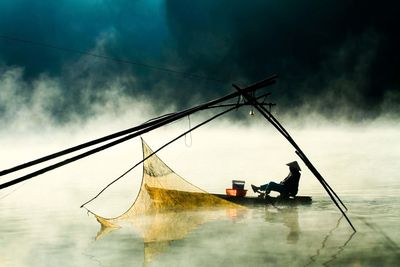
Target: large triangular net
x,y
162,192
167,208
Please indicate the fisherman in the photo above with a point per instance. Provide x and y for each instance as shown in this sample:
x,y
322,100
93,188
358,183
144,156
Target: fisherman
x,y
288,187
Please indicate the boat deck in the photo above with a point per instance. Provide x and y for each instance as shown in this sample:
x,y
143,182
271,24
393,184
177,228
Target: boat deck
x,y
249,201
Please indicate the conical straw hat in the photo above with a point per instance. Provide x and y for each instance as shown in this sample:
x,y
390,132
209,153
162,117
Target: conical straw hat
x,y
294,164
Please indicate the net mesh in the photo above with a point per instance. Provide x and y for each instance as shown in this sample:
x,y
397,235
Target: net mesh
x,y
162,192
167,208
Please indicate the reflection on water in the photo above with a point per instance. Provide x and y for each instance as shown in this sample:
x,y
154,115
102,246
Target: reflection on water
x,y
334,256
161,229
289,217
314,235
257,237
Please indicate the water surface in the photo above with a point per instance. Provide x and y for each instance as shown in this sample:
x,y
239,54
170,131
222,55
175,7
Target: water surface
x,y
42,224
59,233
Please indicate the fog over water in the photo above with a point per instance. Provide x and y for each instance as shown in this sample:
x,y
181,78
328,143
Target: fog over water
x,y
73,71
359,160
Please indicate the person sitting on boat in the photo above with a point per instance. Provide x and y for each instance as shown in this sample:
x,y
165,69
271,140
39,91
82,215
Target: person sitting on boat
x,y
287,187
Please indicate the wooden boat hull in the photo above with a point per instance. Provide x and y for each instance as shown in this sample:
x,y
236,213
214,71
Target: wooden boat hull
x,y
249,201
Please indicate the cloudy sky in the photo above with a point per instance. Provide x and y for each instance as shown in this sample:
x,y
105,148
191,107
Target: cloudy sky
x,y
332,57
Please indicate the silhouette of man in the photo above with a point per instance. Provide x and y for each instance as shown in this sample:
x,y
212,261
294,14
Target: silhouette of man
x,y
287,187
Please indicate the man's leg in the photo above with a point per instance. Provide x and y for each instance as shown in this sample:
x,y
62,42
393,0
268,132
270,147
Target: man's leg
x,y
263,187
272,186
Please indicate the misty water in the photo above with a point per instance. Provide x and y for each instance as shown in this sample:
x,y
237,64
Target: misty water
x,y
42,224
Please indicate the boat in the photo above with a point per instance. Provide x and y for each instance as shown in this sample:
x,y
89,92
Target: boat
x,y
176,199
237,195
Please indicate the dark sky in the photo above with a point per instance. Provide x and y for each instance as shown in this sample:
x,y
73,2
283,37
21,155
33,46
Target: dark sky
x,y
331,56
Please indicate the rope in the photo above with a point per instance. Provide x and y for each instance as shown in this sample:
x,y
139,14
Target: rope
x,y
190,135
185,75
15,189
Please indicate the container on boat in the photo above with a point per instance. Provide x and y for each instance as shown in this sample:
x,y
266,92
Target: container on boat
x,y
236,192
237,189
238,184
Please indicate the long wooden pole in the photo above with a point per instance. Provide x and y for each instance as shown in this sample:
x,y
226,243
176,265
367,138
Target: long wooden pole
x,y
158,124
267,115
153,124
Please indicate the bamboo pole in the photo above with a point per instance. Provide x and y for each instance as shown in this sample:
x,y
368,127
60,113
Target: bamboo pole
x,y
267,115
153,124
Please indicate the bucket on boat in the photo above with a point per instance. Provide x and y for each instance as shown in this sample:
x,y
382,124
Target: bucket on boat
x,y
238,184
237,189
236,192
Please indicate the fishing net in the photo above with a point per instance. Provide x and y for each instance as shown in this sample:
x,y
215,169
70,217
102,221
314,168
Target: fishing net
x,y
167,208
162,193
